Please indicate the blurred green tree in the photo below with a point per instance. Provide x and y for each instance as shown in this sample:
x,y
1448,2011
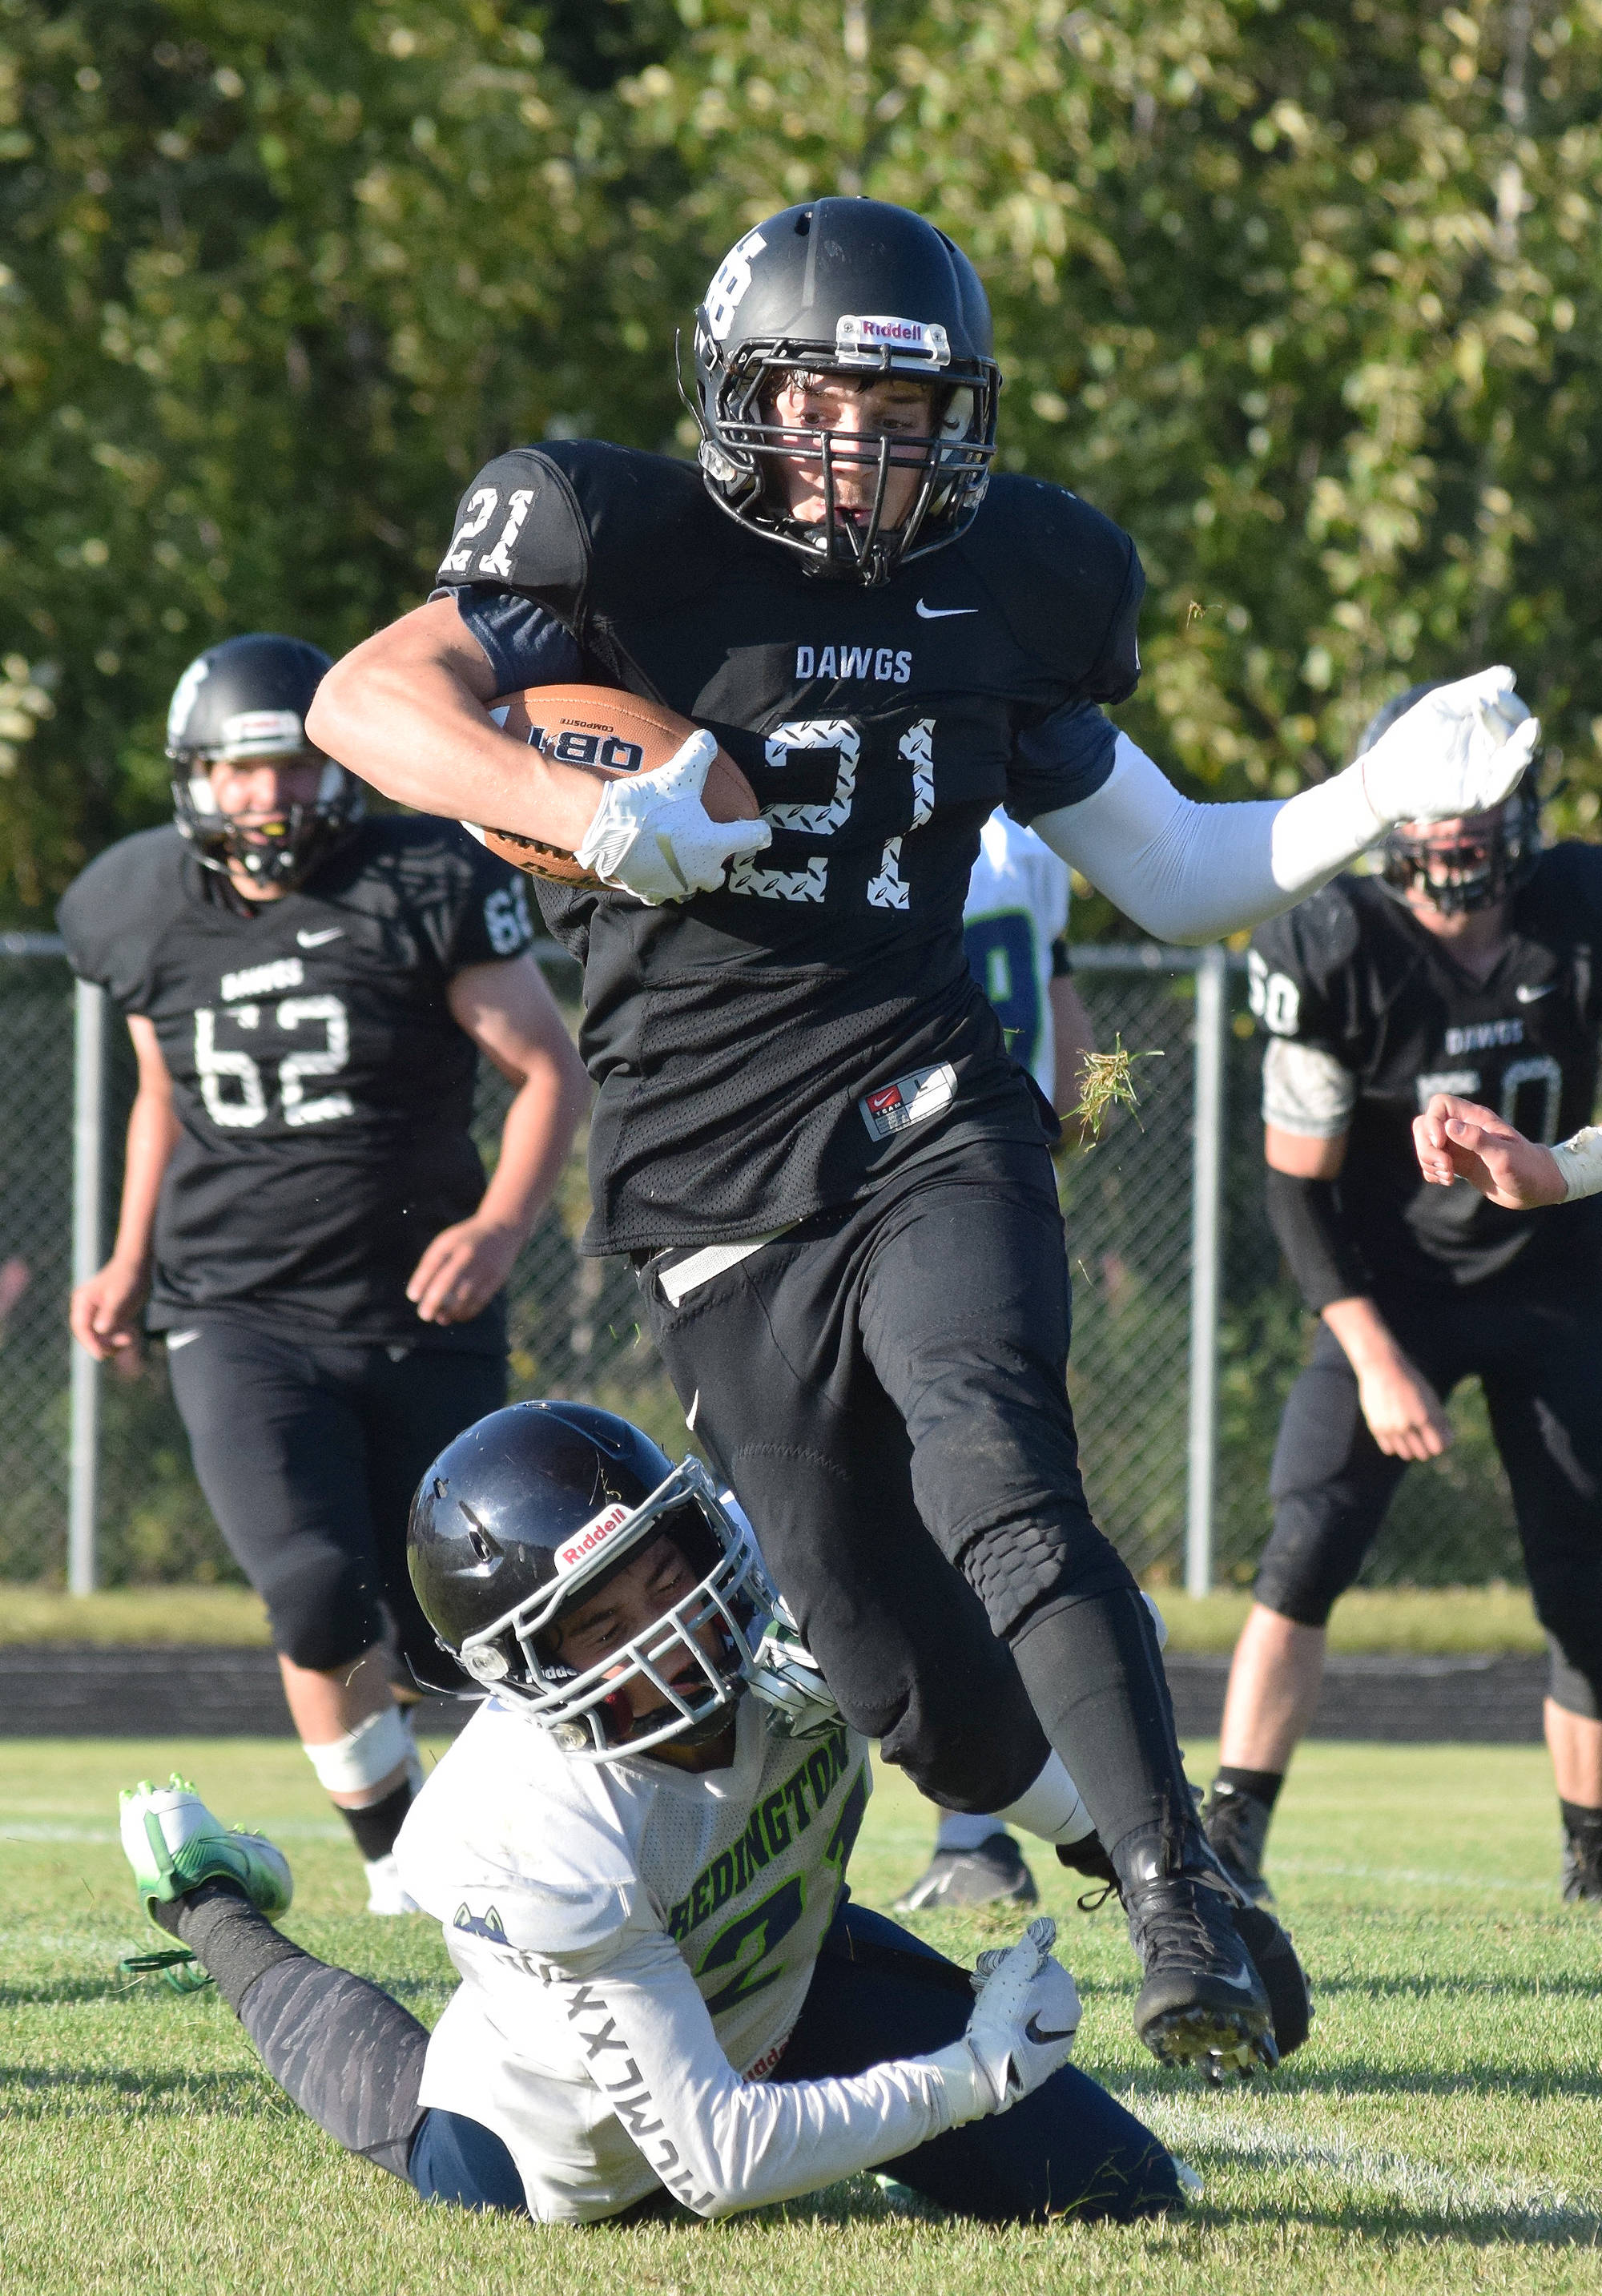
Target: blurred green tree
x,y
277,279
1307,301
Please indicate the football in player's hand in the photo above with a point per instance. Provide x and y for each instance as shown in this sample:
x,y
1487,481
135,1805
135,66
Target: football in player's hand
x,y
608,733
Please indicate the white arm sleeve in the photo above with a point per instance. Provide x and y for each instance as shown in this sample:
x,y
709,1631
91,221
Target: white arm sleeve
x,y
718,2143
1580,1160
1193,873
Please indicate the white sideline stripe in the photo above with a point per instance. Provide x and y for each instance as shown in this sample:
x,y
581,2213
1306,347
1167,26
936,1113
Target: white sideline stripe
x,y
1407,1874
292,1830
1198,2129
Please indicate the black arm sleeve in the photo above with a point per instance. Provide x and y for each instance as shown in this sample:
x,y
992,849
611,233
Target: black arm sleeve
x,y
1309,1225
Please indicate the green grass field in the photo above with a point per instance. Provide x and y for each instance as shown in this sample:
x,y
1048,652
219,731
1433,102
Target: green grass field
x,y
1441,2130
1432,1620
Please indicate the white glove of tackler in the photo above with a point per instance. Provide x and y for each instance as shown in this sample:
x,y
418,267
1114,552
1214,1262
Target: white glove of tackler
x,y
1021,2031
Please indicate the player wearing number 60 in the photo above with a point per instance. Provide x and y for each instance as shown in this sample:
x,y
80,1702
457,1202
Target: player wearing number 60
x,y
1467,967
837,1186
302,1204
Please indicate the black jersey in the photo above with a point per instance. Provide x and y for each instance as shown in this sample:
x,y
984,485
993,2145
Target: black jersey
x,y
323,1091
785,1042
1351,973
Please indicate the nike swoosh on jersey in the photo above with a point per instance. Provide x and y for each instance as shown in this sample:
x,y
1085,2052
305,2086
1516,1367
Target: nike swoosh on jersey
x,y
940,613
1532,992
1040,2034
180,1339
316,939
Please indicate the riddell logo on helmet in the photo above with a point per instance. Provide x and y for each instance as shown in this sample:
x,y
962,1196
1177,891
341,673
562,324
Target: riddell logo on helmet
x,y
860,340
584,1543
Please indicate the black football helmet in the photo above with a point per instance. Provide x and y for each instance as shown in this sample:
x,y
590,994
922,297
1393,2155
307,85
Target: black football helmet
x,y
246,699
853,289
534,1509
1490,856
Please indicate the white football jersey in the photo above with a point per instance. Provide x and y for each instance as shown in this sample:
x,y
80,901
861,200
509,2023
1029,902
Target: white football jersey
x,y
1016,906
635,1943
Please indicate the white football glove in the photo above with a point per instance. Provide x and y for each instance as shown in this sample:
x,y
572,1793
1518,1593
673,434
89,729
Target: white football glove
x,y
1022,2028
652,837
1459,749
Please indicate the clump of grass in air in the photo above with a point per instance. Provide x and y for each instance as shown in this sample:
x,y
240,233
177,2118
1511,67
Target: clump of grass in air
x,y
1109,1083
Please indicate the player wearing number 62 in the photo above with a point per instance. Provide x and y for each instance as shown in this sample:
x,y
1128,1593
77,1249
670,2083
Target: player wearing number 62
x,y
1469,966
837,1186
302,1204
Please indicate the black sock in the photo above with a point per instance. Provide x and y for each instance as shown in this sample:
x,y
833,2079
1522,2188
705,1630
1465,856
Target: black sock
x,y
376,1827
230,1940
1581,1824
1262,1785
1094,1675
343,2051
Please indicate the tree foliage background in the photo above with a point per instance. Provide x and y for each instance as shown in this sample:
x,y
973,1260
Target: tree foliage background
x,y
1309,301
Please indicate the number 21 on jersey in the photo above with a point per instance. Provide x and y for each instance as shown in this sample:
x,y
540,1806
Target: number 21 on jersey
x,y
232,1083
887,888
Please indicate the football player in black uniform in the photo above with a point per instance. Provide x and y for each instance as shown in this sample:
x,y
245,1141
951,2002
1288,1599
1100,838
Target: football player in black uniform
x,y
836,1187
303,1203
1466,968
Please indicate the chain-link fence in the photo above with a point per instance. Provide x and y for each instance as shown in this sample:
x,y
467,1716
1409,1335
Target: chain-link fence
x,y
1129,1209
575,1327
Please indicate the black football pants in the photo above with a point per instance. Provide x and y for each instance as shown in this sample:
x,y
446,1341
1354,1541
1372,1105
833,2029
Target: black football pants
x,y
1538,1353
308,1453
885,1387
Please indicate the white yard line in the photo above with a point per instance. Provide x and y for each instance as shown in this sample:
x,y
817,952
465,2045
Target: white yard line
x,y
1411,1876
290,1829
1199,2128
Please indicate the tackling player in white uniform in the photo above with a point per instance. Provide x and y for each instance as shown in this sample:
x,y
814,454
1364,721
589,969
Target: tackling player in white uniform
x,y
1015,928
665,1995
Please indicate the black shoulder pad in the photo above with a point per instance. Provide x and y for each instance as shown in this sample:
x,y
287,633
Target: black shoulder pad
x,y
1563,900
1066,580
520,526
111,914
1312,941
576,523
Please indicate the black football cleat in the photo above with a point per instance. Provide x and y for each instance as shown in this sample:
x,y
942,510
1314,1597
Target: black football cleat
x,y
1284,1980
992,1874
1236,1824
1203,2002
1581,1869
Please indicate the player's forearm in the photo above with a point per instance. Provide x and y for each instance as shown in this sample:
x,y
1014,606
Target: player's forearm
x,y
1367,1341
407,711
1192,872
721,2143
153,1135
1578,1161
536,1142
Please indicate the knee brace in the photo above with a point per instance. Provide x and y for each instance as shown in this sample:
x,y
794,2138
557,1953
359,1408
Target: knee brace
x,y
366,1755
1571,1686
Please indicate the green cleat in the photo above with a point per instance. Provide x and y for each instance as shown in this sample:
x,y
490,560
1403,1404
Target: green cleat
x,y
174,1843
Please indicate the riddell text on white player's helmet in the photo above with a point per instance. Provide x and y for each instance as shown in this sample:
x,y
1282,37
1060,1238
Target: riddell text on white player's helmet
x,y
528,1514
854,290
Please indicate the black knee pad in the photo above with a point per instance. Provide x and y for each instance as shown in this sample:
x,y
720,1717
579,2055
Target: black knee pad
x,y
1307,1564
1574,1676
321,1611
